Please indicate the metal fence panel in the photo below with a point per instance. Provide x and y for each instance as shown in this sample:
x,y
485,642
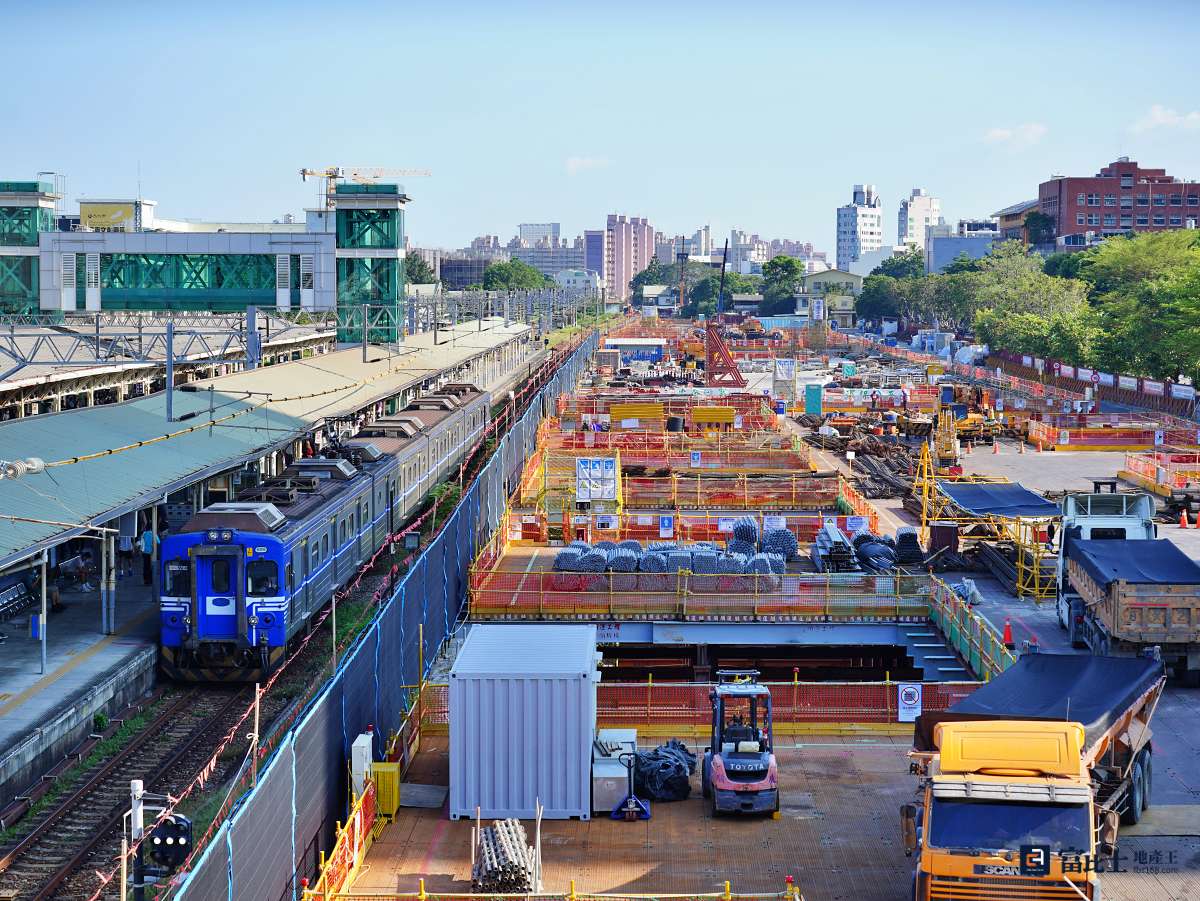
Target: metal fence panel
x,y
304,786
261,847
209,879
358,690
319,764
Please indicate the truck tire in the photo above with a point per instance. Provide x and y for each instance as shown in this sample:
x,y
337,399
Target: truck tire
x,y
1147,777
1132,814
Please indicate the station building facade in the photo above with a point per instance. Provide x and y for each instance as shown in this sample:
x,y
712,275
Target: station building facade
x,y
122,256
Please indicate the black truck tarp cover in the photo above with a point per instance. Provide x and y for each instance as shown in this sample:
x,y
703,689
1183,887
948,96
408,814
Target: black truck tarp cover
x,y
1078,688
998,499
1152,562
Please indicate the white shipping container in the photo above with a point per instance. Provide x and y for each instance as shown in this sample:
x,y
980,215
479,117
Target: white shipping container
x,y
522,721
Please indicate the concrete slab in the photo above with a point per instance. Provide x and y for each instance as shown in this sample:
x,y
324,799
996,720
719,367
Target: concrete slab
x,y
837,835
43,715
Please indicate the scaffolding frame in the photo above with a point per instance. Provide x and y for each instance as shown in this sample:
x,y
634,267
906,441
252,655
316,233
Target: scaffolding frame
x,y
1025,532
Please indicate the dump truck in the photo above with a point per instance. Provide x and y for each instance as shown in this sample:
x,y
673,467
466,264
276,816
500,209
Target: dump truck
x,y
1024,783
1123,599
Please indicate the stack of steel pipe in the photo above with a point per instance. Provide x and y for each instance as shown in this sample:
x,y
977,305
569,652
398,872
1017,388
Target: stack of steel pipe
x,y
503,859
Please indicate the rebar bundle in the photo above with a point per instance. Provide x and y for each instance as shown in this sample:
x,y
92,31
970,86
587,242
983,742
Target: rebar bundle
x,y
503,859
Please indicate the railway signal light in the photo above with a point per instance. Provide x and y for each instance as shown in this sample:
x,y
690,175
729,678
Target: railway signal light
x,y
170,841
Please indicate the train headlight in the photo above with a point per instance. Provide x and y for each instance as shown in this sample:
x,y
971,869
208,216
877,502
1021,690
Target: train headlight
x,y
213,536
267,619
252,620
227,535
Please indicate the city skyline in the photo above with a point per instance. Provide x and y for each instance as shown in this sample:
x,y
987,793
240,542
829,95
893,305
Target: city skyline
x,y
488,177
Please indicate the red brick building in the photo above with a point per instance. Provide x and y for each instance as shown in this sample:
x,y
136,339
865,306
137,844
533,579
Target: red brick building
x,y
1120,198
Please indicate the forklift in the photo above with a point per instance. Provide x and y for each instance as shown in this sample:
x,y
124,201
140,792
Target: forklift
x,y
740,774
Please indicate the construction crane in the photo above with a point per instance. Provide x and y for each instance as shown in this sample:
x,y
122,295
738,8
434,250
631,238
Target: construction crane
x,y
362,176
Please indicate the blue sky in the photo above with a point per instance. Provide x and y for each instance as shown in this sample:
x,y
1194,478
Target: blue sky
x,y
758,116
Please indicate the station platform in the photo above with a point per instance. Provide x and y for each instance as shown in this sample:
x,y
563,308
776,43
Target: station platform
x,y
43,716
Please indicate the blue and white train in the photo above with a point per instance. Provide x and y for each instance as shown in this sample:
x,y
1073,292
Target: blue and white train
x,y
240,580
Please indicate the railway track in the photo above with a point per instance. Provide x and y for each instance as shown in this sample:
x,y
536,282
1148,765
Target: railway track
x,y
63,837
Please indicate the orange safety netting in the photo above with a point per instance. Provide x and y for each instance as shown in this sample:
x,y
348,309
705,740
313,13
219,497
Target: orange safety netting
x,y
818,597
668,704
1168,469
1112,430
740,492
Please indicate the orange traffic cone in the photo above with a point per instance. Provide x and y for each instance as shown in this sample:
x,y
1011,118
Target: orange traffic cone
x,y
1020,447
995,446
1039,446
1183,523
1008,639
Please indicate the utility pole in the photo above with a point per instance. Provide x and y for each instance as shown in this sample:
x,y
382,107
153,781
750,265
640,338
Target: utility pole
x,y
42,619
137,826
170,370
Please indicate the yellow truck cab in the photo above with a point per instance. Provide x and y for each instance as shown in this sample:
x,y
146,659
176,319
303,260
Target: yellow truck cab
x,y
1017,798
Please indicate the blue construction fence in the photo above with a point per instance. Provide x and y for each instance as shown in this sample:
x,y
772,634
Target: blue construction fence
x,y
276,833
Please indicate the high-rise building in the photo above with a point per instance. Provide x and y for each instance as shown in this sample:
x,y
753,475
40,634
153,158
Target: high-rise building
x,y
916,215
1120,198
859,225
629,249
595,250
702,242
532,232
549,257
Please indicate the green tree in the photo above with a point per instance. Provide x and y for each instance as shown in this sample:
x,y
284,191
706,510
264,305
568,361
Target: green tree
x,y
910,264
1134,290
702,296
417,271
782,280
1123,263
654,274
1178,296
1010,280
1064,265
881,296
1039,228
513,276
960,264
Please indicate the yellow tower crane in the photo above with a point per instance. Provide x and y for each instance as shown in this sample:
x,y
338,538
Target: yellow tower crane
x,y
362,176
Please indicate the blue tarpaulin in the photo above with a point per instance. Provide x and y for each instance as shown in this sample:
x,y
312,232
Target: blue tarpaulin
x,y
1157,562
998,499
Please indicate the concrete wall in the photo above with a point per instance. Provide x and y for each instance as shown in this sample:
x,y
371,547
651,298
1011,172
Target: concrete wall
x,y
35,753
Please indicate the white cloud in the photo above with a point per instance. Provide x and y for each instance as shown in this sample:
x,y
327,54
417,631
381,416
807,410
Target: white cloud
x,y
1161,116
577,164
1018,137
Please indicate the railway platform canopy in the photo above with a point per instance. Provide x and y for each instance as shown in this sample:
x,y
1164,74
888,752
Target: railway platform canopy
x,y
103,462
115,469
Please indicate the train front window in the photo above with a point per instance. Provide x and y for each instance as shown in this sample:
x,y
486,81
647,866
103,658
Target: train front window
x,y
178,579
221,581
262,578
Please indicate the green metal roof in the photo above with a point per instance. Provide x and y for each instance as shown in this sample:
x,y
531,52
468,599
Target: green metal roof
x,y
99,489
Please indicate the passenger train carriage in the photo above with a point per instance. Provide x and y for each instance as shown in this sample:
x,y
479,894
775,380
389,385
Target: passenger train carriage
x,y
242,579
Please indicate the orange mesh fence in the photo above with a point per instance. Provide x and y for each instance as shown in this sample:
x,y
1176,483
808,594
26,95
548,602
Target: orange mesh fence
x,y
1166,470
1109,430
853,501
584,403
815,597
686,704
736,493
350,846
